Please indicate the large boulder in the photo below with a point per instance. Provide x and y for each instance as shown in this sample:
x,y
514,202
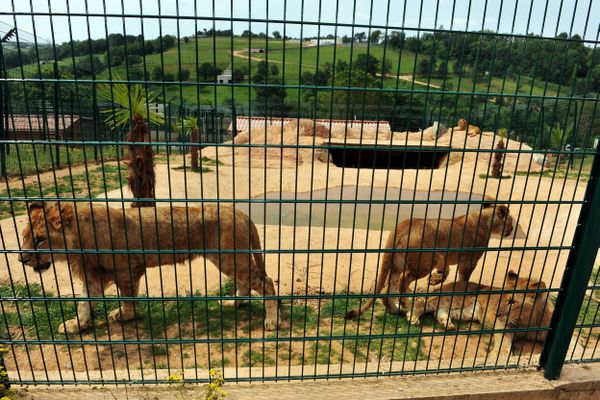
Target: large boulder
x,y
434,131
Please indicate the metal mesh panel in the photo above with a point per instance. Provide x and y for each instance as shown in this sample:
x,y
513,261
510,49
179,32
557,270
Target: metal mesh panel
x,y
302,148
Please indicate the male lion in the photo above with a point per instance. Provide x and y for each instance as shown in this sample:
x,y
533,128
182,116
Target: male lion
x,y
192,230
469,231
463,125
502,310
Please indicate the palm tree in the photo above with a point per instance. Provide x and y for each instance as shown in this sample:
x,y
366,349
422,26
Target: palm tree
x,y
558,139
131,109
190,129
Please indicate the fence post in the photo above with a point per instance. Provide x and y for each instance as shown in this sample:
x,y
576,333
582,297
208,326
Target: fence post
x,y
56,115
576,276
3,128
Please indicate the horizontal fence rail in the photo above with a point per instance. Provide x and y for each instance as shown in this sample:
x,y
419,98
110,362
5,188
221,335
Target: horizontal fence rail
x,y
278,191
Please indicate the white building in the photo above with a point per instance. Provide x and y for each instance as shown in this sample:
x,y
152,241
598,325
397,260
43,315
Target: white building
x,y
325,42
225,77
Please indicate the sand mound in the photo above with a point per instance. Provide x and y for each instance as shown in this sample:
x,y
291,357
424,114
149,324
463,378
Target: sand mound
x,y
292,144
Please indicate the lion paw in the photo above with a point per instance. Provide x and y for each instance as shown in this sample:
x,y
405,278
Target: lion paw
x,y
270,325
121,314
435,278
71,326
414,319
449,326
230,303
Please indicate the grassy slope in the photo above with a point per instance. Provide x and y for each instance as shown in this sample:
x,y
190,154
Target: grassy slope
x,y
297,60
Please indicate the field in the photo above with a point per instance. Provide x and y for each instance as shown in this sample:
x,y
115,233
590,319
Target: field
x,y
292,60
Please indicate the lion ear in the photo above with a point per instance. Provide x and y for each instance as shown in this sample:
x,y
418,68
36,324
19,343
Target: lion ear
x,y
536,285
59,219
502,211
487,204
512,275
35,205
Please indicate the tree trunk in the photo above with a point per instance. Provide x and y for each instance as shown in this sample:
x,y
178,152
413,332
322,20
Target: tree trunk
x,y
498,164
194,149
141,164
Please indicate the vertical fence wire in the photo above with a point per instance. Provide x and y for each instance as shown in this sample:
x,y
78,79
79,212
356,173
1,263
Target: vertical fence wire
x,y
353,139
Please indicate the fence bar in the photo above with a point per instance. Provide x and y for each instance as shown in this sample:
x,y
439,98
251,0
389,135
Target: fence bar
x,y
578,271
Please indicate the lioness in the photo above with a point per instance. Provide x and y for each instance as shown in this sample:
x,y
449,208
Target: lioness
x,y
463,125
472,230
68,226
500,310
522,310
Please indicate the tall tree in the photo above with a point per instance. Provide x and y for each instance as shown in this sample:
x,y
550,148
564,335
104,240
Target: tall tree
x,y
360,36
273,94
375,36
131,108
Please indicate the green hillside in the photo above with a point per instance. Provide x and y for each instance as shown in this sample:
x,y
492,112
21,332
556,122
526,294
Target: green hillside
x,y
292,61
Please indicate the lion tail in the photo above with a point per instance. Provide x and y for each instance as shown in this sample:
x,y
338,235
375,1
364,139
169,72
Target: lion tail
x,y
386,265
255,243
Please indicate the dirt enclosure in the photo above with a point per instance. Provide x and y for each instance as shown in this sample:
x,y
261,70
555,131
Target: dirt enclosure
x,y
318,256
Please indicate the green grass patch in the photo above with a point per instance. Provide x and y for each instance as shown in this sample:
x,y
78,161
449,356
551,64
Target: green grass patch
x,y
590,309
40,319
26,159
199,170
558,174
253,358
580,169
486,176
204,164
160,319
97,181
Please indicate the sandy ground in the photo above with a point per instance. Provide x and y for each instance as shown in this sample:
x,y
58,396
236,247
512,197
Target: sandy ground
x,y
250,171
329,259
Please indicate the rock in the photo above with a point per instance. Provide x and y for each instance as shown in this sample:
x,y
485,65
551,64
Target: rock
x,y
434,131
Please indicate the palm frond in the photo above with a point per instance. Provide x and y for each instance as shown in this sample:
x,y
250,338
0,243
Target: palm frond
x,y
189,125
559,136
129,101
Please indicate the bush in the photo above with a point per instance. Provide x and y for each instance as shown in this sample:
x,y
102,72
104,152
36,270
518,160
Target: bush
x,y
134,59
169,77
138,74
116,59
87,66
237,75
157,73
183,75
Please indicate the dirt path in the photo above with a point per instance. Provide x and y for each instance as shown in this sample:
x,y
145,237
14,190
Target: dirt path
x,y
410,78
244,55
404,77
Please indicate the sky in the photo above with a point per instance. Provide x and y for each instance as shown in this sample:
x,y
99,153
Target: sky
x,y
545,17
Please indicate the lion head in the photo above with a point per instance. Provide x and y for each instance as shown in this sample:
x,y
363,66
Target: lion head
x,y
502,221
463,124
47,229
527,310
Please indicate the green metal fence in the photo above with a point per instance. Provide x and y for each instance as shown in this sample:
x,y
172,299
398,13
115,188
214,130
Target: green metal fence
x,y
131,132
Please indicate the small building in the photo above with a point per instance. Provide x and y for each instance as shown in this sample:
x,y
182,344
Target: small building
x,y
38,127
325,42
225,77
258,50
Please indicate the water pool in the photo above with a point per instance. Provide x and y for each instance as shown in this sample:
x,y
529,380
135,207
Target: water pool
x,y
359,215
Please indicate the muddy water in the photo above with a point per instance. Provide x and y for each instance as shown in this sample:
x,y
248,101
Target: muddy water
x,y
310,208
